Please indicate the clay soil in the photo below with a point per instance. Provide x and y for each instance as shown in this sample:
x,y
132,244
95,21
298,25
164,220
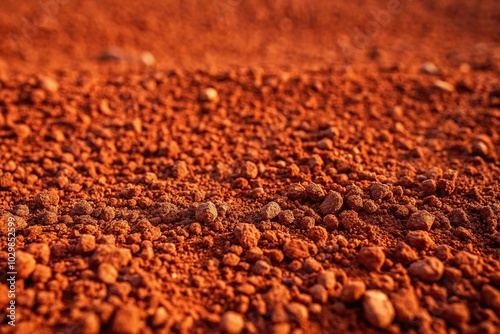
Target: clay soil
x,y
250,166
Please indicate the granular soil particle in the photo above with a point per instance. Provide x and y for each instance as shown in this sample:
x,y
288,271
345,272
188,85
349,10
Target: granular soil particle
x,y
247,167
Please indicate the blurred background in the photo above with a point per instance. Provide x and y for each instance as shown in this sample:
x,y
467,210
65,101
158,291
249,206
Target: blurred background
x,y
53,34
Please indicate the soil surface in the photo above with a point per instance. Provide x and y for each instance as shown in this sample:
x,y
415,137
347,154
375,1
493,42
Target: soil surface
x,y
243,166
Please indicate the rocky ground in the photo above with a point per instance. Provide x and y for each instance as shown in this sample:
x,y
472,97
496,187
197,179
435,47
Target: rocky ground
x,y
245,167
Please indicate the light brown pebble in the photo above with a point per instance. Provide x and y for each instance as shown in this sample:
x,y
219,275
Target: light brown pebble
x,y
249,170
262,268
419,239
372,258
429,269
206,212
270,210
230,260
81,208
25,264
379,191
319,293
315,192
40,251
378,309
126,320
209,95
420,220
406,304
107,273
86,243
298,312
247,235
353,291
327,279
332,203
296,249
232,322
456,314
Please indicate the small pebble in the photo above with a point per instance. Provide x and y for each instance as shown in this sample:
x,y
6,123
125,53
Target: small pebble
x,y
378,309
81,208
353,291
429,68
429,269
444,86
209,95
86,243
378,191
270,210
332,203
247,235
296,249
126,320
232,322
25,264
372,258
315,192
298,312
206,212
230,260
420,220
107,273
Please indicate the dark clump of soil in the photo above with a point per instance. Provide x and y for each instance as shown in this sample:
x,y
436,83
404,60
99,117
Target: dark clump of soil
x,y
298,199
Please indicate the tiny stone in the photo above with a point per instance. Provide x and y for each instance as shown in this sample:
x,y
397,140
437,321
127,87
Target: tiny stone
x,y
270,210
126,320
249,170
230,260
232,322
332,203
311,265
315,192
315,161
419,239
444,86
318,234
46,199
25,264
325,144
296,249
378,191
180,170
429,269
286,217
429,68
297,312
331,222
81,208
47,218
262,268
349,219
247,235
209,95
456,314
296,191
206,212
378,309
86,243
327,279
353,291
40,251
107,273
355,202
420,220
372,258
319,293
